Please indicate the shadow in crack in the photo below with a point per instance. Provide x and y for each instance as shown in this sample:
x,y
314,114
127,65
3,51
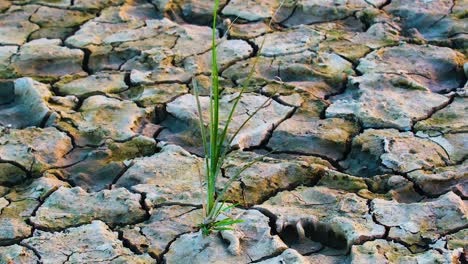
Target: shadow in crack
x,y
310,237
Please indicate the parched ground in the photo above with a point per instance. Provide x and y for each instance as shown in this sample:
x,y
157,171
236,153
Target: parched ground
x,y
100,153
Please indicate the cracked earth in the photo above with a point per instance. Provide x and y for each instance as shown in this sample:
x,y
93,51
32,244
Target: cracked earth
x,y
100,152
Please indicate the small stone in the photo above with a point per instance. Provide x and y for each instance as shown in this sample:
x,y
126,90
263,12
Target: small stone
x,y
252,10
71,207
91,243
99,168
169,176
310,135
64,103
390,187
385,101
198,11
93,33
57,3
52,17
435,68
283,43
52,33
288,256
107,58
161,75
379,35
318,11
455,144
341,181
462,190
15,26
266,176
292,100
129,11
23,201
385,150
47,59
440,180
326,259
100,118
320,74
35,149
346,38
12,220
382,251
451,119
250,30
153,94
454,140
434,20
38,189
96,4
16,254
434,218
153,30
156,66
103,82
165,224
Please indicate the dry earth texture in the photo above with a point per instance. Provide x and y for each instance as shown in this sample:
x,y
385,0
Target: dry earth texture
x,y
100,152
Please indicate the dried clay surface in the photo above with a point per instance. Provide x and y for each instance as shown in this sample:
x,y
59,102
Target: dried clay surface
x,y
363,106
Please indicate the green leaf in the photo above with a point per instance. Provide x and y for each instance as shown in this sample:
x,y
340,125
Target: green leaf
x,y
213,140
227,208
223,228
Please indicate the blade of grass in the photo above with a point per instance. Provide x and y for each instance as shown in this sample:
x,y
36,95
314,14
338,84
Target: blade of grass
x,y
228,222
237,99
224,228
246,81
214,115
200,119
205,143
267,101
227,146
200,178
235,177
227,208
219,144
213,158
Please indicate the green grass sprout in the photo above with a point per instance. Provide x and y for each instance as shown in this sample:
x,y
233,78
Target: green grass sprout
x,y
216,142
